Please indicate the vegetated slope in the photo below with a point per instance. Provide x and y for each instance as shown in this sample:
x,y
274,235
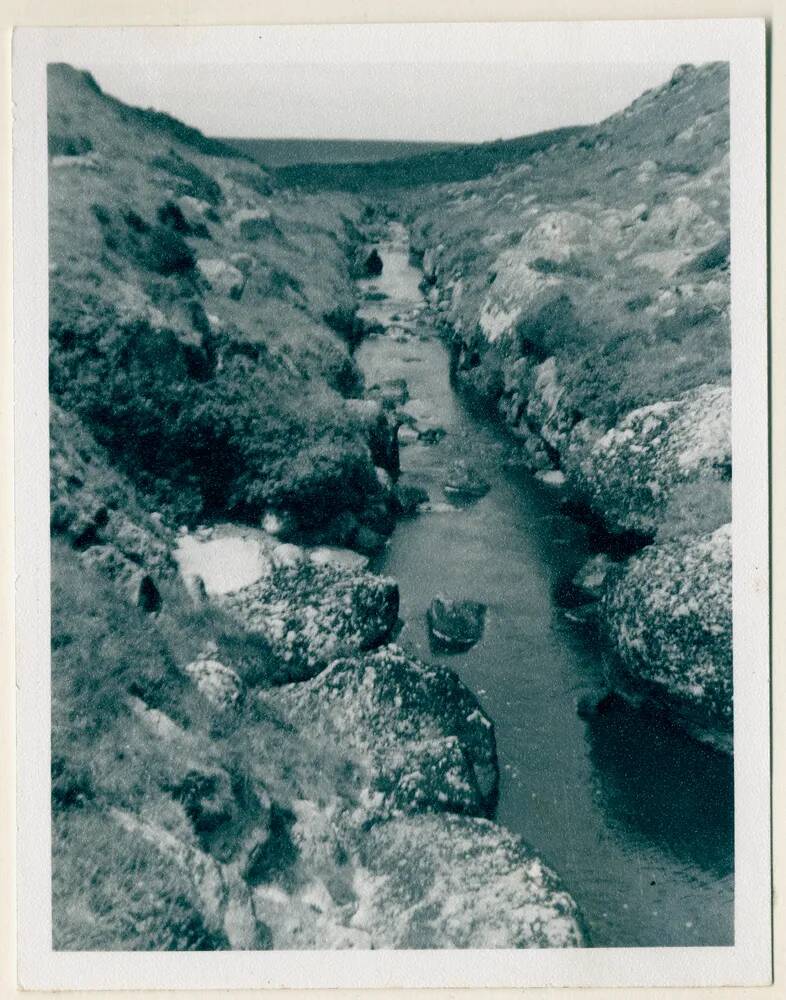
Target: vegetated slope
x,y
460,163
199,371
194,310
586,292
277,153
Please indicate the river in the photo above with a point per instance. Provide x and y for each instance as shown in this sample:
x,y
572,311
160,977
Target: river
x,y
636,818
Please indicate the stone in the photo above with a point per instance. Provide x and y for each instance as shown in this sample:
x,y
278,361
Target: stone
x,y
419,734
464,483
668,615
311,613
589,580
455,626
222,277
216,682
551,477
453,881
279,523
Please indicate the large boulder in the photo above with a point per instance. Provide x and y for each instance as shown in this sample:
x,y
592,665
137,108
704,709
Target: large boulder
x,y
459,882
669,617
420,736
642,472
455,626
311,613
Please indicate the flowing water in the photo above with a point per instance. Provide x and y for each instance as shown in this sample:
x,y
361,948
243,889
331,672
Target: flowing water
x,y
636,819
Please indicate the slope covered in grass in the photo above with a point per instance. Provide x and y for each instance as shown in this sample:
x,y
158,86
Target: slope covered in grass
x,y
194,310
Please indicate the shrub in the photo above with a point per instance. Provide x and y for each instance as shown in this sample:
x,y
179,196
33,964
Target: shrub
x,y
193,180
69,145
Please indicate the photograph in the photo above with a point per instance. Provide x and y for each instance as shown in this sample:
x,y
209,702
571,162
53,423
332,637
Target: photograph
x,y
388,601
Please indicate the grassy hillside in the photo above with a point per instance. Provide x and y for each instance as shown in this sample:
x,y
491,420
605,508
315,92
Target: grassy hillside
x,y
460,163
276,153
194,310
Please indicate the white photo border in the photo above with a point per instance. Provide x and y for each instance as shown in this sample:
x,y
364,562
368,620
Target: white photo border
x,y
740,42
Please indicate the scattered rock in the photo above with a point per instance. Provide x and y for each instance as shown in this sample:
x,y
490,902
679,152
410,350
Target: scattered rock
x,y
455,626
551,477
591,577
464,483
222,277
279,523
217,683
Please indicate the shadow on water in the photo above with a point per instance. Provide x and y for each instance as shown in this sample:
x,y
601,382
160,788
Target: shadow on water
x,y
645,772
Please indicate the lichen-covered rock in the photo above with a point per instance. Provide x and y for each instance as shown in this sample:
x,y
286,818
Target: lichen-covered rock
x,y
216,682
223,277
632,471
421,736
459,882
669,616
311,613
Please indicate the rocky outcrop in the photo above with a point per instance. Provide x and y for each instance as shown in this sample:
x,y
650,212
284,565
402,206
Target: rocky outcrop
x,y
311,613
668,613
637,472
459,882
421,737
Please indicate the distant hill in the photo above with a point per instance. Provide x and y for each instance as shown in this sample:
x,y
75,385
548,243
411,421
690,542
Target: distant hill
x,y
291,152
431,166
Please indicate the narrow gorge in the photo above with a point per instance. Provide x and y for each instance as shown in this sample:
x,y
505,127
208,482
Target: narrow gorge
x,y
391,564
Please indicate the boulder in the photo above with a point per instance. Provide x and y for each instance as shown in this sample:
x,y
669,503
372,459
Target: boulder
x,y
636,472
455,626
311,613
222,277
668,613
460,882
464,483
216,682
420,736
591,577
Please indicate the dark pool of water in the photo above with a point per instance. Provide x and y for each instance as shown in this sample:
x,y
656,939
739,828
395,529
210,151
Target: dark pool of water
x,y
635,818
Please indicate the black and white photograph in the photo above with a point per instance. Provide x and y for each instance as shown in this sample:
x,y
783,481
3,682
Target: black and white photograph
x,y
398,474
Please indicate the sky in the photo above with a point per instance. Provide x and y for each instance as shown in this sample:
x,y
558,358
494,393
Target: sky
x,y
436,102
